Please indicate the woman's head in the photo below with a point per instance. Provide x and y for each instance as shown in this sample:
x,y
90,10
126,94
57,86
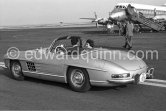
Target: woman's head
x,y
89,44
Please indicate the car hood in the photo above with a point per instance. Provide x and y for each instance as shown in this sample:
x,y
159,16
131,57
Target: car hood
x,y
121,58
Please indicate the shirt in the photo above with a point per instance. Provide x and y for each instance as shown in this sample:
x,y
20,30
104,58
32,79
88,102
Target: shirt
x,y
129,29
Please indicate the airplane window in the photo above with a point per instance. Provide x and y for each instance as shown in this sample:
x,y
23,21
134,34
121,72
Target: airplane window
x,y
142,11
152,12
163,12
120,7
145,11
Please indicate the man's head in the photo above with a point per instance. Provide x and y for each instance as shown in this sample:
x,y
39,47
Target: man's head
x,y
74,40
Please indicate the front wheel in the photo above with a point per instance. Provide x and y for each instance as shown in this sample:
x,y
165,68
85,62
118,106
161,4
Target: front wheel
x,y
16,70
78,79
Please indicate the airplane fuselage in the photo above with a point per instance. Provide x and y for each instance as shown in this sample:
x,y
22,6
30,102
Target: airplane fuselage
x,y
156,12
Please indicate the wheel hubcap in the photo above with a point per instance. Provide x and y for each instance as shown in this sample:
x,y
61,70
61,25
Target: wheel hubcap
x,y
16,69
77,78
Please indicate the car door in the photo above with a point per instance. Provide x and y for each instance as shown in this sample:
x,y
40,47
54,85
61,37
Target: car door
x,y
49,65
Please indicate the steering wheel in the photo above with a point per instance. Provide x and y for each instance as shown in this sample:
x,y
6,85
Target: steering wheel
x,y
60,50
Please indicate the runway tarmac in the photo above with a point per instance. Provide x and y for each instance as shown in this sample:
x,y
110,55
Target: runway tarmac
x,y
34,94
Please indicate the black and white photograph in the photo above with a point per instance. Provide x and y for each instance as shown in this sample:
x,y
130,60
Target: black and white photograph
x,y
83,55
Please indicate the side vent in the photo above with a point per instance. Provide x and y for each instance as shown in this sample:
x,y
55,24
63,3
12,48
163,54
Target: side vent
x,y
31,66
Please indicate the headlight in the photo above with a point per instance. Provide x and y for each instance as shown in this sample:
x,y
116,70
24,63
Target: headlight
x,y
120,75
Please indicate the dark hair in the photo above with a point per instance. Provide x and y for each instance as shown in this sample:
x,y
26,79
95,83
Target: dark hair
x,y
74,40
91,43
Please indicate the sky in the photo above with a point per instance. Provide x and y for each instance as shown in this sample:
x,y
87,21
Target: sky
x,y
33,12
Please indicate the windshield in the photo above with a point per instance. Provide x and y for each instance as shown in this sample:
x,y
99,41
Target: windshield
x,y
71,45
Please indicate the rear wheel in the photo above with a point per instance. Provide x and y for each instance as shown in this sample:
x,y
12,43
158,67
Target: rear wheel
x,y
78,79
16,70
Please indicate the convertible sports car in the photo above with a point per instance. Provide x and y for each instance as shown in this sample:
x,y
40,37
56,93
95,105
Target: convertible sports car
x,y
74,60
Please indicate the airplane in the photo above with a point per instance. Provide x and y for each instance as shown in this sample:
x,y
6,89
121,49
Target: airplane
x,y
149,11
119,14
156,13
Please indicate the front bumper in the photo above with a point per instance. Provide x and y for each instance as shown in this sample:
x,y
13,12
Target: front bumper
x,y
121,81
136,79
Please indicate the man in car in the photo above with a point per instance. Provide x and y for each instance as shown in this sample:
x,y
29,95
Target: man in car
x,y
76,44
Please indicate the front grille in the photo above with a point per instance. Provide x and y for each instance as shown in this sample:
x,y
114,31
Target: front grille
x,y
31,66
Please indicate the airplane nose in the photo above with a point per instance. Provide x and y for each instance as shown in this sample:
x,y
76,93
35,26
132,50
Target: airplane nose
x,y
113,16
118,15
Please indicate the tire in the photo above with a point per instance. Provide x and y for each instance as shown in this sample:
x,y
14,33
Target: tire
x,y
78,79
16,70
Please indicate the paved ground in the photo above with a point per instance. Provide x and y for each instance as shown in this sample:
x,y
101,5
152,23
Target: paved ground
x,y
39,94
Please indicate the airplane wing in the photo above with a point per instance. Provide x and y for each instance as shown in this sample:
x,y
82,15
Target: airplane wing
x,y
89,18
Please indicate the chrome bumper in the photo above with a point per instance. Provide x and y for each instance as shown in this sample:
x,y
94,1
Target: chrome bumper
x,y
137,78
121,81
